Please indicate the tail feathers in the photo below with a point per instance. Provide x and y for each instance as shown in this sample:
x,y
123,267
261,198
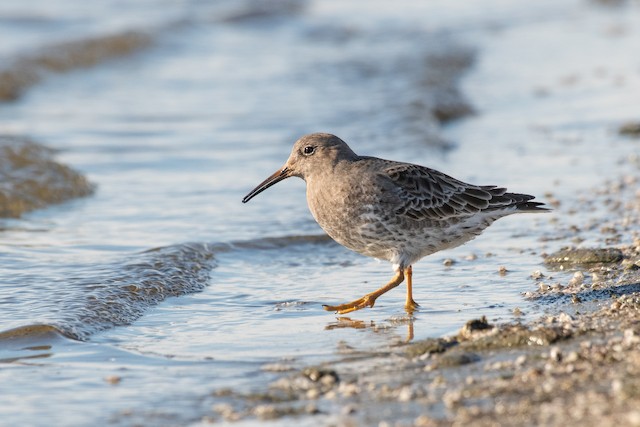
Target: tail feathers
x,y
532,207
523,203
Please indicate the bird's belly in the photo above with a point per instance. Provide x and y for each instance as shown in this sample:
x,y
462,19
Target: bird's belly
x,y
400,242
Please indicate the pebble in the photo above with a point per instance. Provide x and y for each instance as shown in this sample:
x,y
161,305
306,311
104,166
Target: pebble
x,y
348,389
348,410
113,379
438,380
265,412
451,398
313,393
424,421
572,357
577,279
565,318
630,337
616,386
537,275
331,394
311,409
555,354
406,394
277,367
226,411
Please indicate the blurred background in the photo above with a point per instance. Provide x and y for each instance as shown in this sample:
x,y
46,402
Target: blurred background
x,y
130,131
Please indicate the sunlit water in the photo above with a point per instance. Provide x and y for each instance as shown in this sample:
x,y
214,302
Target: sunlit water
x,y
176,136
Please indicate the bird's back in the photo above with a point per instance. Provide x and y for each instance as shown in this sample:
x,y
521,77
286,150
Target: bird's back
x,y
403,212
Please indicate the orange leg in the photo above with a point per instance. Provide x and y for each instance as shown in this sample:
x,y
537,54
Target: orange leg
x,y
410,305
369,299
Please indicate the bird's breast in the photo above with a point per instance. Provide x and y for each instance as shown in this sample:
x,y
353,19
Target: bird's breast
x,y
350,215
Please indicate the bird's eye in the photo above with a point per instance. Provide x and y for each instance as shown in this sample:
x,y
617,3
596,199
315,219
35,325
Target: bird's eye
x,y
309,150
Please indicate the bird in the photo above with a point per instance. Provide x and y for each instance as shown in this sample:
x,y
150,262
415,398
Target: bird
x,y
390,210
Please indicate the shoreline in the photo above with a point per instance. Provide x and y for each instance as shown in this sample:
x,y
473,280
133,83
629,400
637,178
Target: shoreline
x,y
579,364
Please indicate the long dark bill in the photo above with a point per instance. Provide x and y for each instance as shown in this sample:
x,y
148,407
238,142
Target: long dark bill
x,y
273,179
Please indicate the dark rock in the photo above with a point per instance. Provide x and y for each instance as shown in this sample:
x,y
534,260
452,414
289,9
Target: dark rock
x,y
453,359
631,129
430,346
571,257
473,326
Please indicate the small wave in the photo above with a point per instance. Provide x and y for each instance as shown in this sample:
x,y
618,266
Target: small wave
x,y
100,297
97,297
118,296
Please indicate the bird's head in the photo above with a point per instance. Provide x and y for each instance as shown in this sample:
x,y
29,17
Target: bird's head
x,y
312,154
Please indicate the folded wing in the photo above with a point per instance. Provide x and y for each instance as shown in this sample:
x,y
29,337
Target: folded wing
x,y
424,193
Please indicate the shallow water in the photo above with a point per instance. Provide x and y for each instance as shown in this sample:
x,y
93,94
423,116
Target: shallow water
x,y
175,136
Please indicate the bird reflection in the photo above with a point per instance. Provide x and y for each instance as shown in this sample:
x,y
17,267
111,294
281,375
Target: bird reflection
x,y
347,322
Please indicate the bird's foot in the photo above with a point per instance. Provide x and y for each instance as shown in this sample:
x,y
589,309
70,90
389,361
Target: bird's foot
x,y
410,306
366,301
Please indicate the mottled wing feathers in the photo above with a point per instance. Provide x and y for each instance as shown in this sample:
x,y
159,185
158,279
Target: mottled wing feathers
x,y
424,193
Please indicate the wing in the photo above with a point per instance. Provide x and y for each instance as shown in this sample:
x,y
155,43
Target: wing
x,y
423,193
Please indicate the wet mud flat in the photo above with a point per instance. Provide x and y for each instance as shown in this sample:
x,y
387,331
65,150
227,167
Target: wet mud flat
x,y
579,363
33,179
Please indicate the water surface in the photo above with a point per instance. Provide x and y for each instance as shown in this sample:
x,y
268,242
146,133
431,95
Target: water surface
x,y
135,304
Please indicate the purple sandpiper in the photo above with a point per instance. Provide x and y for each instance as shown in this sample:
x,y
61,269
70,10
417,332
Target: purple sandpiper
x,y
396,211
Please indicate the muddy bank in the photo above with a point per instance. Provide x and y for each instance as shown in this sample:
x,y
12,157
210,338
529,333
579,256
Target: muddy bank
x,y
580,365
32,179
